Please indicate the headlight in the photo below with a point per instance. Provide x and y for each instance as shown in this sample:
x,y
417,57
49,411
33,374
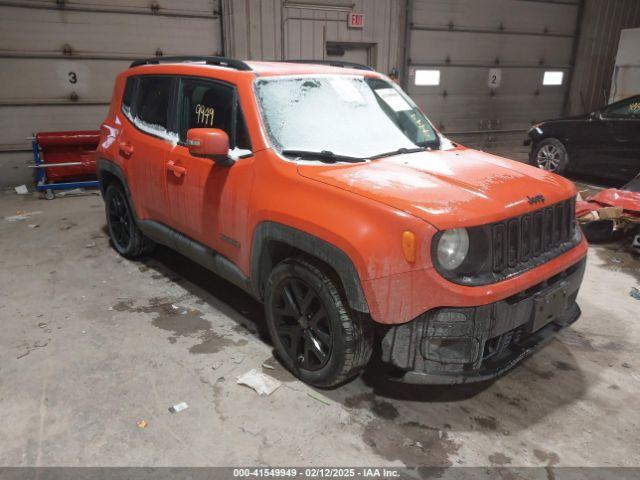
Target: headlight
x,y
452,249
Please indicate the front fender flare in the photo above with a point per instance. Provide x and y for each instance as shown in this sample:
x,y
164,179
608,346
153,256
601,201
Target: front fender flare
x,y
316,247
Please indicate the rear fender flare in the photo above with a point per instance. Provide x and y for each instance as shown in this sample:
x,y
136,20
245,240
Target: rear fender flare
x,y
107,166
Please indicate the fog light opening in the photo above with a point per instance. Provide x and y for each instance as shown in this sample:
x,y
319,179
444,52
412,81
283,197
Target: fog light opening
x,y
450,349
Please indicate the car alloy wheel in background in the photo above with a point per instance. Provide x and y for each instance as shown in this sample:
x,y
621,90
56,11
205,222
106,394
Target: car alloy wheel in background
x,y
549,157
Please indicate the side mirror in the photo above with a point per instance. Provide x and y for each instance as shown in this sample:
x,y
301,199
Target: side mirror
x,y
595,115
212,143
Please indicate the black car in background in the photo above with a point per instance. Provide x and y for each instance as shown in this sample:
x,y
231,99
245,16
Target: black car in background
x,y
604,144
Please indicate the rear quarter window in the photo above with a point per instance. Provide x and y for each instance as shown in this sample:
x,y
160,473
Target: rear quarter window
x,y
146,102
154,97
127,97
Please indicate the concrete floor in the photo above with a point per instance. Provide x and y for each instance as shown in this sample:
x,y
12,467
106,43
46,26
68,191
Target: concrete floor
x,y
92,343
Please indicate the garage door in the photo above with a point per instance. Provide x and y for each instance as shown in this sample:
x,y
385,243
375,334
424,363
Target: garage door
x,y
58,58
495,65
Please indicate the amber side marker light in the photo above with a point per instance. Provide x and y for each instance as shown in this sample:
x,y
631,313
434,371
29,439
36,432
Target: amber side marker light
x,y
409,246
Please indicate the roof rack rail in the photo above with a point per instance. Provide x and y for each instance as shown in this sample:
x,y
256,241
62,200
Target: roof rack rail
x,y
333,63
220,61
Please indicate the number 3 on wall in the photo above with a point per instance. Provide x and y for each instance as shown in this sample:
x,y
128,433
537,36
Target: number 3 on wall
x,y
73,78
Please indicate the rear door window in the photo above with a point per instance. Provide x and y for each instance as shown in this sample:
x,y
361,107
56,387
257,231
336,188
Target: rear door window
x,y
208,104
152,107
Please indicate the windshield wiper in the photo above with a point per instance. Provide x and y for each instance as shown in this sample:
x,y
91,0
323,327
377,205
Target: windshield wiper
x,y
400,151
324,156
430,143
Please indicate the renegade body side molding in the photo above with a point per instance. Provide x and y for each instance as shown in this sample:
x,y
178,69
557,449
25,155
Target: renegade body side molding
x,y
261,261
199,253
164,235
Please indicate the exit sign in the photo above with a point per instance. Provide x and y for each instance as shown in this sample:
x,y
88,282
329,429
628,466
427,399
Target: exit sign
x,y
356,20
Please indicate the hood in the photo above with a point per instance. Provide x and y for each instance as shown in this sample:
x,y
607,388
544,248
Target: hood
x,y
448,189
582,117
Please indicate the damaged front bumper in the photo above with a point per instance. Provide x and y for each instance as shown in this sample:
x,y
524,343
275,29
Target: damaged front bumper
x,y
460,345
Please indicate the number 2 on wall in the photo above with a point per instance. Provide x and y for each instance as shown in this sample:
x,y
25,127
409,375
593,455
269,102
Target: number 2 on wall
x,y
495,76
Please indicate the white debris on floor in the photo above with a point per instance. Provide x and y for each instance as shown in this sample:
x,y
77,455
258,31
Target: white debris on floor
x,y
261,383
21,216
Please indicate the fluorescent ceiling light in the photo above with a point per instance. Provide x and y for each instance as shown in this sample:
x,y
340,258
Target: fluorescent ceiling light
x,y
552,78
427,77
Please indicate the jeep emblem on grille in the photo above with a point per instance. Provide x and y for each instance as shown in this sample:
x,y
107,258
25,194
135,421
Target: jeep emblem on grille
x,y
535,199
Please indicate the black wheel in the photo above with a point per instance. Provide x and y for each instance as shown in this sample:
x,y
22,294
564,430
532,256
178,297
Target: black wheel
x,y
126,237
551,155
314,332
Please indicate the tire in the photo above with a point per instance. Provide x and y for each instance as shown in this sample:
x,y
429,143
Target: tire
x,y
550,155
315,334
126,237
635,244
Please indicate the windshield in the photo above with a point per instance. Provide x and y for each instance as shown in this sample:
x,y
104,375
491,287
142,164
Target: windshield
x,y
343,115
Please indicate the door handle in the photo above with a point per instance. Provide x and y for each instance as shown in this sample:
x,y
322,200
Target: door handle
x,y
623,139
126,149
177,170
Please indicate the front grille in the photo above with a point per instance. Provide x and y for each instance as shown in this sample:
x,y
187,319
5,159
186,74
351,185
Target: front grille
x,y
518,240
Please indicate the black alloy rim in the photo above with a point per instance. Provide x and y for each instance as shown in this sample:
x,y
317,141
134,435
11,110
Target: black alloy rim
x,y
119,220
302,324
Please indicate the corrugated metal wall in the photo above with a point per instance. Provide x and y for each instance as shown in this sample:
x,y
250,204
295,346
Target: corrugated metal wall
x,y
253,29
600,32
464,39
58,59
277,29
625,81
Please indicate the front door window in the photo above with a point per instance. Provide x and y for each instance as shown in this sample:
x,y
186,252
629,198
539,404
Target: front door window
x,y
208,104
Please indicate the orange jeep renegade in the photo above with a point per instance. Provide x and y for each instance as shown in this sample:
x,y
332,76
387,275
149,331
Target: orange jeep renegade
x,y
324,192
